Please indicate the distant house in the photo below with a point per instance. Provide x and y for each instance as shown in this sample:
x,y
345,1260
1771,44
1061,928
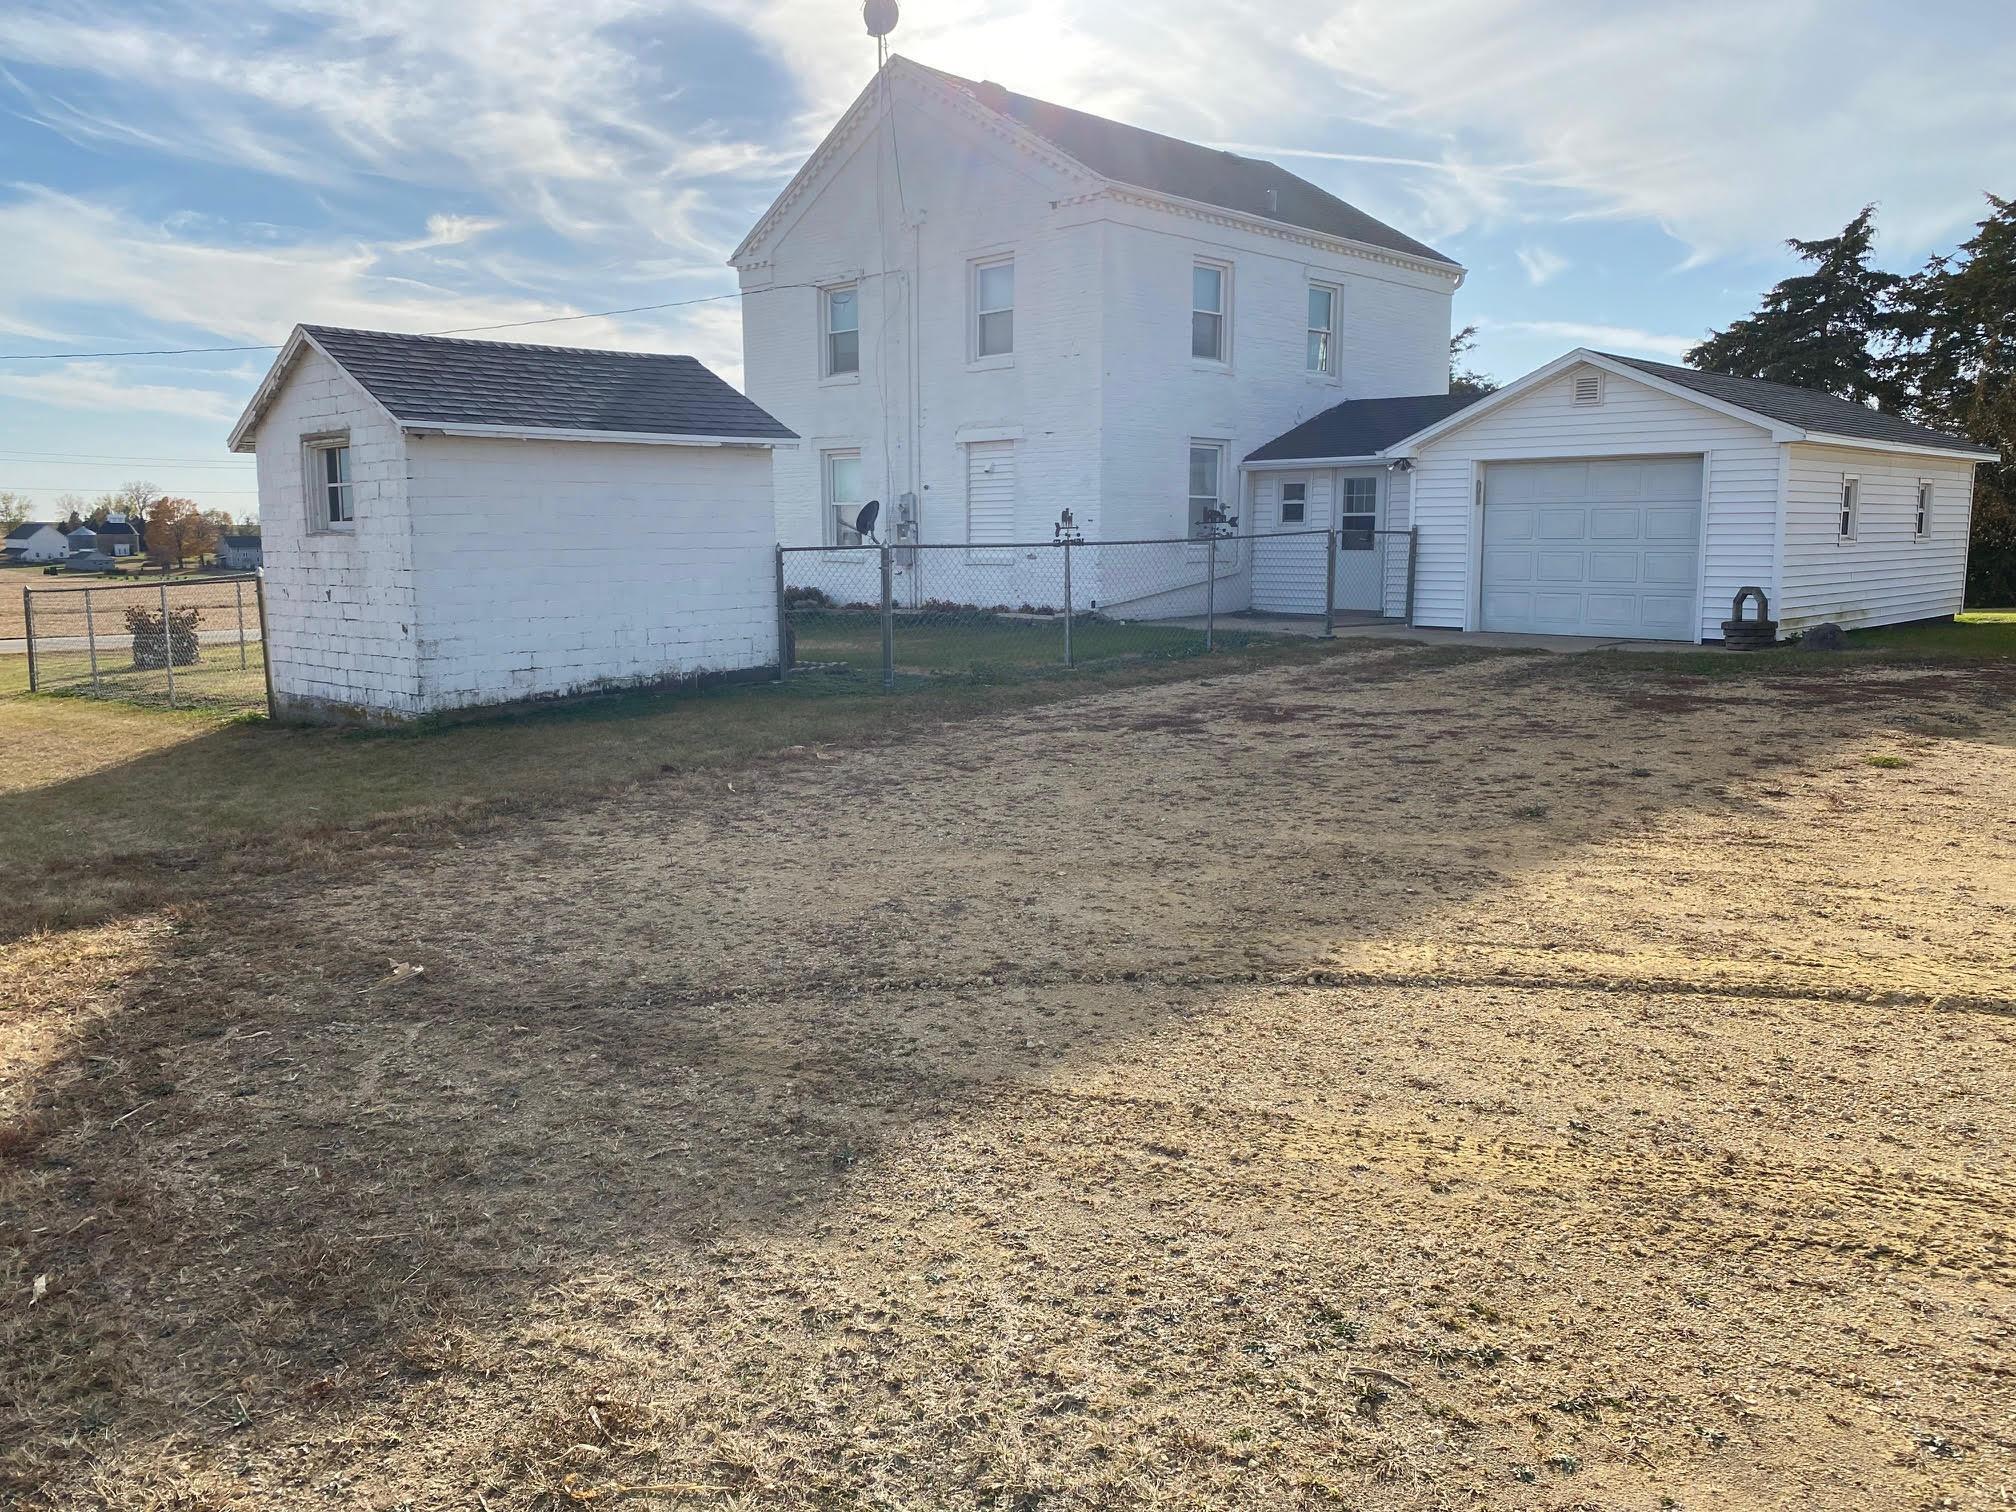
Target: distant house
x,y
36,541
240,553
118,537
83,540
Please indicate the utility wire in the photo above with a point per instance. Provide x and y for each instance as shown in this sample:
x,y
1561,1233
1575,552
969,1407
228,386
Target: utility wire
x,y
506,325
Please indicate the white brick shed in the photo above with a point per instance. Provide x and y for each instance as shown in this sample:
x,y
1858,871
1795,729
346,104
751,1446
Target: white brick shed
x,y
450,524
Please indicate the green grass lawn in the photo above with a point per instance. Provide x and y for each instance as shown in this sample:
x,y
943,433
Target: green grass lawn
x,y
1977,633
988,646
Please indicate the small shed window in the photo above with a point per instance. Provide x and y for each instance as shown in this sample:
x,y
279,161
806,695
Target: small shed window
x,y
1294,503
1851,499
332,492
1922,523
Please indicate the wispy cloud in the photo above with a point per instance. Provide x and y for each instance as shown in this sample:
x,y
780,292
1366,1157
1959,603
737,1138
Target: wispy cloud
x,y
1541,264
1576,333
101,388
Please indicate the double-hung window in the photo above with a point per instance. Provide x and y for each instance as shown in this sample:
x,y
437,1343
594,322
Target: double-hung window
x,y
994,308
840,487
332,499
1851,499
840,316
1921,524
1207,471
1294,503
1210,303
1322,343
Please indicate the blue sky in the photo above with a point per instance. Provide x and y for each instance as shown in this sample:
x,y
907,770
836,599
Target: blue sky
x,y
179,174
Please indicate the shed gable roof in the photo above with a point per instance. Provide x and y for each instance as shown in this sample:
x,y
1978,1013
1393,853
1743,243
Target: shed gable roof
x,y
28,528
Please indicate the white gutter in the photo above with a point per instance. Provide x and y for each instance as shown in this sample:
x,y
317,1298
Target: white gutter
x,y
1296,464
625,438
1908,448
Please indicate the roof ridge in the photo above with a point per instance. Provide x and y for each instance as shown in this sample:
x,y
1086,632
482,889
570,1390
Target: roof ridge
x,y
515,346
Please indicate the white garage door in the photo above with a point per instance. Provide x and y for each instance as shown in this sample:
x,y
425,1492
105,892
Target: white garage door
x,y
1593,548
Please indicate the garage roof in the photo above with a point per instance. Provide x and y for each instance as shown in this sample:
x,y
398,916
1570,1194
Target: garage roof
x,y
507,387
1809,409
1361,427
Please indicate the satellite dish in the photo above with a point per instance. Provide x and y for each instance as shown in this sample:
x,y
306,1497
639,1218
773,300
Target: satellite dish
x,y
864,522
879,16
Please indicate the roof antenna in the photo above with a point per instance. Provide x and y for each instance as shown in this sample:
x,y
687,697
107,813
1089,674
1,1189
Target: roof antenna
x,y
879,16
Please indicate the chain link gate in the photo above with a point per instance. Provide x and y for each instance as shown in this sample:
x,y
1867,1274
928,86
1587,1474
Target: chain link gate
x,y
189,643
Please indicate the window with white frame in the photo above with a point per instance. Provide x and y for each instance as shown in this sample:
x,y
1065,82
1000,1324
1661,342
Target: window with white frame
x,y
1207,474
994,307
1322,353
1921,523
1210,301
840,319
1357,513
841,491
1851,499
332,495
1294,503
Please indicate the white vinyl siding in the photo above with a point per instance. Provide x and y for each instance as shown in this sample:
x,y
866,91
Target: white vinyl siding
x,y
990,499
1634,419
1289,574
1889,573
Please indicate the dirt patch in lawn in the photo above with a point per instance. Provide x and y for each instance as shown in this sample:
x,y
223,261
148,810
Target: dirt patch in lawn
x,y
1459,1084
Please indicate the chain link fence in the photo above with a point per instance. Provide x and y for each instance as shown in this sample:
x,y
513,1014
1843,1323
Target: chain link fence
x,y
892,613
192,643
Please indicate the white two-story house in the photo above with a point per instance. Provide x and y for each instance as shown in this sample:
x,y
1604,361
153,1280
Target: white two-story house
x,y
982,310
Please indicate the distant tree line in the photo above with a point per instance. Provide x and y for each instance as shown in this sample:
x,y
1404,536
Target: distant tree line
x,y
172,531
1937,346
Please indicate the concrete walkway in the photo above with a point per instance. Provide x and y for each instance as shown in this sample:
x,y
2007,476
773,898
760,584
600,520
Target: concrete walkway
x,y
1378,629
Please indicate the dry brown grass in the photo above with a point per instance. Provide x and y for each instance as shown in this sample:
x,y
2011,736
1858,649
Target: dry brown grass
x,y
1368,1083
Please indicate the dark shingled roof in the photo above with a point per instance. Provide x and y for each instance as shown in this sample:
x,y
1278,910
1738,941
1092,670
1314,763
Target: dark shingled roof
x,y
441,380
1169,165
1809,409
1361,427
27,528
241,540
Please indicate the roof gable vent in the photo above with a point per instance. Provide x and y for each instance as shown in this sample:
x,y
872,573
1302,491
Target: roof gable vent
x,y
1589,386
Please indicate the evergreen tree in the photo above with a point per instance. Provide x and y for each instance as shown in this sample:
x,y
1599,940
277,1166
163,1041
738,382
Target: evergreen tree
x,y
1956,347
1818,329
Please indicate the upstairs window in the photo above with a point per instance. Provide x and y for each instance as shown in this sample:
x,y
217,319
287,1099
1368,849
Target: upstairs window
x,y
1322,353
1851,499
843,329
1922,522
1210,284
994,308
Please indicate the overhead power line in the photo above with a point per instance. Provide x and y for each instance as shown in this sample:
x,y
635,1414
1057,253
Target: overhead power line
x,y
504,325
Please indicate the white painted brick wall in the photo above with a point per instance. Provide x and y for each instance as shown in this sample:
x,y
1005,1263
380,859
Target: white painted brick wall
x,y
482,571
1102,393
340,606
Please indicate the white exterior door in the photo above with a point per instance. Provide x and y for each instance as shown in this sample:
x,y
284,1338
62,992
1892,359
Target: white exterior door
x,y
1361,549
1608,548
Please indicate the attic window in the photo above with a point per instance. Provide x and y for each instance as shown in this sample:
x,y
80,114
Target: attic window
x,y
1589,387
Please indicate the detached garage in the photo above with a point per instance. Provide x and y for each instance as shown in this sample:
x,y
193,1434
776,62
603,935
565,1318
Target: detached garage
x,y
449,524
1613,497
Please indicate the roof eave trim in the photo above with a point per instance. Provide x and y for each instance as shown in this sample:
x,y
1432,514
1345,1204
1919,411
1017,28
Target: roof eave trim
x,y
1279,464
245,434
555,433
1410,446
1960,451
1204,210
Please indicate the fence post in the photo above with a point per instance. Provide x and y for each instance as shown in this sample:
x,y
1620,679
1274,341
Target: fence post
x,y
1413,547
238,592
888,624
91,640
783,619
28,630
265,646
1333,542
1211,589
1067,603
167,640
